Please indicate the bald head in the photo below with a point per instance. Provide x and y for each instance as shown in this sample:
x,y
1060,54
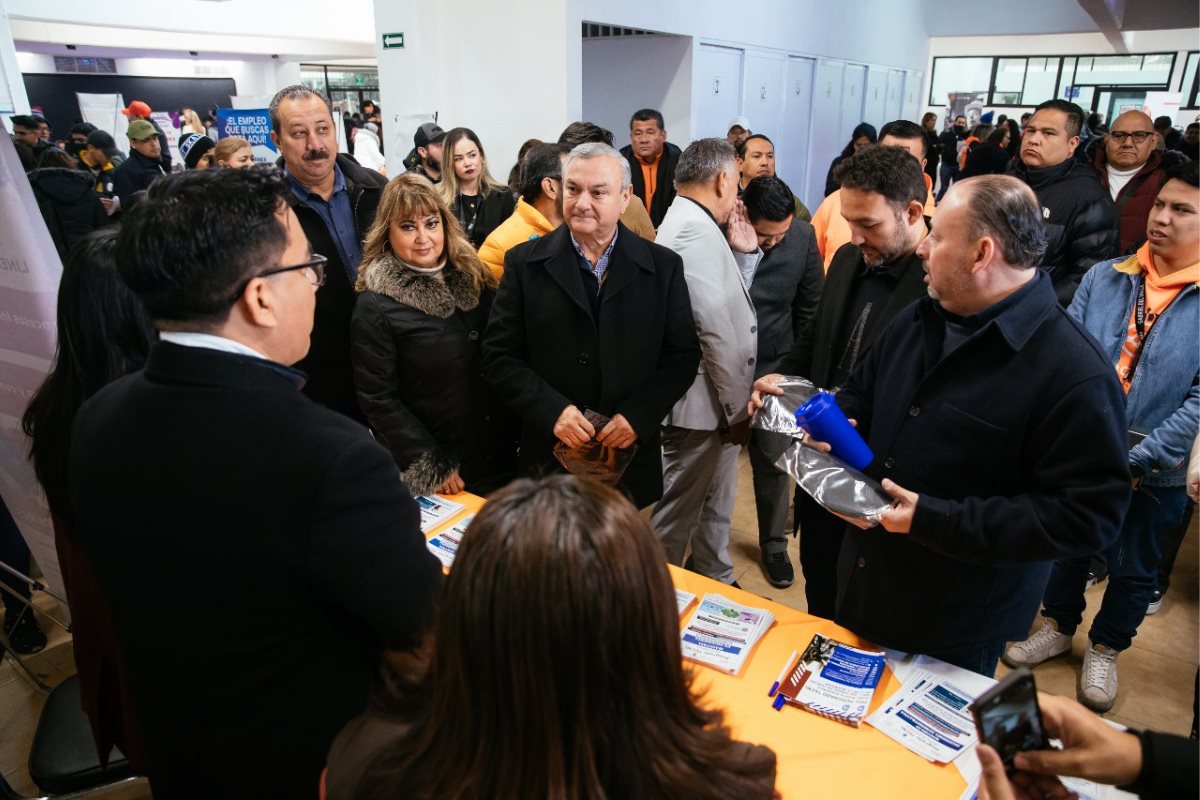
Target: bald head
x,y
1122,147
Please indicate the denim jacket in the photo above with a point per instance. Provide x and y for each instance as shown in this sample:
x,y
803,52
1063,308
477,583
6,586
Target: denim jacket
x,y
1164,400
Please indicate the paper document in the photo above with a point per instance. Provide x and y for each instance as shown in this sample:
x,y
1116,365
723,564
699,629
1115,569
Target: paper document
x,y
930,716
722,633
445,544
435,510
834,680
684,599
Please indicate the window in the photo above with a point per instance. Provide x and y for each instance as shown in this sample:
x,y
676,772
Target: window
x,y
1009,81
958,75
1187,86
1041,74
1136,70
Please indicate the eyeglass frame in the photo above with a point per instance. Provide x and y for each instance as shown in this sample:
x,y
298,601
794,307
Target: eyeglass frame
x,y
1120,136
316,263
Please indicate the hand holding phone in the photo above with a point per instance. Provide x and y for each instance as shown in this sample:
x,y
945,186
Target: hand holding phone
x,y
1007,716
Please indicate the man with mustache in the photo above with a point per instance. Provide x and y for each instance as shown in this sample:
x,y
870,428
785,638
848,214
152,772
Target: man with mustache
x,y
335,200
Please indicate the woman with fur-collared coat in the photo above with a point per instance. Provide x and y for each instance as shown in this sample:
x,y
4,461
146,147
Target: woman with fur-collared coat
x,y
415,334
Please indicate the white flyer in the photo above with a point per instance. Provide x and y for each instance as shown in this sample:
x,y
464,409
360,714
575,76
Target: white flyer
x,y
445,544
721,633
435,510
930,716
684,599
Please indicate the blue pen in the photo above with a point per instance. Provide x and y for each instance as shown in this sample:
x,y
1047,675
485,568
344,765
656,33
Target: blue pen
x,y
779,702
782,674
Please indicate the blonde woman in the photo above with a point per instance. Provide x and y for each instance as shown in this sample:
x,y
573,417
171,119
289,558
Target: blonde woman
x,y
469,190
189,122
415,336
234,152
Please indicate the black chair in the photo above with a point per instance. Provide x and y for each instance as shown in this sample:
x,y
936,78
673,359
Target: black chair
x,y
63,759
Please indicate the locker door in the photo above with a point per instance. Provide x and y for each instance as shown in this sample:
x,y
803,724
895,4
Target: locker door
x,y
875,101
762,94
895,96
853,87
792,147
716,90
828,138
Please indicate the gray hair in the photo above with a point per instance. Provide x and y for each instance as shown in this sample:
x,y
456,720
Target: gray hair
x,y
293,92
703,160
589,150
1006,209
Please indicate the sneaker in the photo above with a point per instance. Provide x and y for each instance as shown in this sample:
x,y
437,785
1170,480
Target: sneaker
x,y
779,569
1098,680
24,634
1044,645
1155,602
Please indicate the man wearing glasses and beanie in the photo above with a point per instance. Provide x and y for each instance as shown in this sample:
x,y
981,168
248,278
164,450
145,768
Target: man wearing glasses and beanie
x,y
259,551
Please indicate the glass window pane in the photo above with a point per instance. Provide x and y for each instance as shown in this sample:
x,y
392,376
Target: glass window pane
x,y
958,75
1189,76
1040,75
1010,75
1068,77
1121,70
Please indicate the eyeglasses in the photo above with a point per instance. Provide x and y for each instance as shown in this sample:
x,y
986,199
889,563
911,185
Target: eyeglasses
x,y
316,264
1138,136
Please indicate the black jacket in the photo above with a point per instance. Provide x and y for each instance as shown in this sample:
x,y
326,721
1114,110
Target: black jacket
x,y
664,187
1081,221
933,153
330,375
544,349
416,346
497,206
985,159
133,176
948,141
68,201
258,551
786,290
1016,443
819,345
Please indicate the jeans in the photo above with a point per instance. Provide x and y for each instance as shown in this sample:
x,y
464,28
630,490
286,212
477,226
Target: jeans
x,y
1132,571
980,657
15,553
946,171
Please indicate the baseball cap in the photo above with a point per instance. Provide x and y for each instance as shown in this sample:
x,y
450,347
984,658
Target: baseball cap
x,y
194,147
427,134
740,122
136,109
140,129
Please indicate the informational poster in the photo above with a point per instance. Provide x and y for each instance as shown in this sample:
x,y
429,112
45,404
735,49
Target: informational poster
x,y
104,111
168,123
967,104
30,271
251,124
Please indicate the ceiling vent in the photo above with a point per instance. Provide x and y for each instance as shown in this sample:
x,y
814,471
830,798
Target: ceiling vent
x,y
85,64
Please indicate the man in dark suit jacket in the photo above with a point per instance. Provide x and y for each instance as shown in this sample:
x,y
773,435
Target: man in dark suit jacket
x,y
335,200
786,290
258,550
592,317
869,281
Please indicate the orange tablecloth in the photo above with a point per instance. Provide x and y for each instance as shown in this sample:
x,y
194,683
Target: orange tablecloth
x,y
818,758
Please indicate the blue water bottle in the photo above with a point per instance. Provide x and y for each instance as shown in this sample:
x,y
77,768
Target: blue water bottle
x,y
825,421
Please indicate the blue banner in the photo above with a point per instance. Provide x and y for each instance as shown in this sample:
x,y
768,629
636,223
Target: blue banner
x,y
251,124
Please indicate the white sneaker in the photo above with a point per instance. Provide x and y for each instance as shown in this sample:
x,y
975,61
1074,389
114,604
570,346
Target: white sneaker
x,y
1044,645
1098,681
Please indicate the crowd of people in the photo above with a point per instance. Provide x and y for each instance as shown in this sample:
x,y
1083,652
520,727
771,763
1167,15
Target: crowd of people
x,y
259,368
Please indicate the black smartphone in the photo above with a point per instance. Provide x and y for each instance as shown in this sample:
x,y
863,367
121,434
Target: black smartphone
x,y
1007,716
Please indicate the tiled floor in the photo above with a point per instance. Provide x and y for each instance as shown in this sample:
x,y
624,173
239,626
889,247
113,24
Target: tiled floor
x,y
1157,675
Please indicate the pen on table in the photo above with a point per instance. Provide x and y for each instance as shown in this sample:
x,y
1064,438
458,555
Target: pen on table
x,y
782,673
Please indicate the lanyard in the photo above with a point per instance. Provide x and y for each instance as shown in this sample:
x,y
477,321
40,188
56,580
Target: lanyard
x,y
1139,321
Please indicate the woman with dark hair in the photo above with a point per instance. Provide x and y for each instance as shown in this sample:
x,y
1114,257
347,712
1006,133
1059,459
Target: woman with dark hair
x,y
1014,138
415,338
103,334
67,198
989,157
933,151
475,198
554,671
864,136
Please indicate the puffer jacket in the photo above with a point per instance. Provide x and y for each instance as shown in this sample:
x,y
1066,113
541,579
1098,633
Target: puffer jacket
x,y
1081,221
525,224
1164,400
415,344
69,204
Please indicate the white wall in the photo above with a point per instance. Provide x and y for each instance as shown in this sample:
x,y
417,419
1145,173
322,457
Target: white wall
x,y
519,78
621,75
12,89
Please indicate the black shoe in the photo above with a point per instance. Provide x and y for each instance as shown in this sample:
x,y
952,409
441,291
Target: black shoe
x,y
24,634
735,584
779,570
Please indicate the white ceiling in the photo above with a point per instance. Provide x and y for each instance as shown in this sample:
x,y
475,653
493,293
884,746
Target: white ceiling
x,y
1029,17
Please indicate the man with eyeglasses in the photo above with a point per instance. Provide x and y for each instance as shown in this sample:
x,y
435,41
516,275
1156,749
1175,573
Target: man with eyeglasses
x,y
259,551
1132,168
335,200
1080,219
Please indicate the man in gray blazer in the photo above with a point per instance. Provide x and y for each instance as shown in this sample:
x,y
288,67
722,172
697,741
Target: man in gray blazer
x,y
704,432
786,290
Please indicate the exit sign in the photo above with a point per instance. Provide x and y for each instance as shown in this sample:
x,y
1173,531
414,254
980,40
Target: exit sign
x,y
393,41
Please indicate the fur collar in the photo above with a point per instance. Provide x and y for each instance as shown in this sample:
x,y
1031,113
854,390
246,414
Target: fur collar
x,y
390,277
